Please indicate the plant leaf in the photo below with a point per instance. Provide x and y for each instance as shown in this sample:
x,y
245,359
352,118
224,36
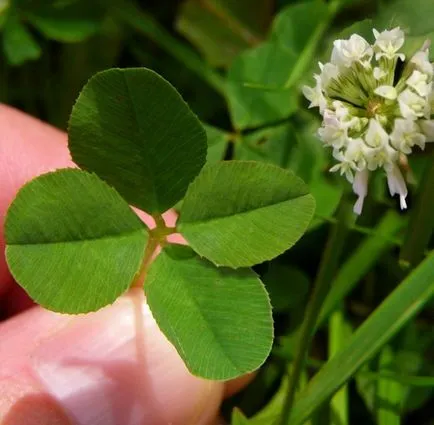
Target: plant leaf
x,y
255,86
18,43
217,143
287,286
221,29
240,213
414,14
64,21
132,128
72,242
219,320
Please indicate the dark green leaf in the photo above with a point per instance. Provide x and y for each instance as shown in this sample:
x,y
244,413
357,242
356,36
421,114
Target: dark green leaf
x,y
255,86
219,320
295,26
132,128
240,213
221,29
72,242
287,286
415,15
217,143
64,21
18,43
271,144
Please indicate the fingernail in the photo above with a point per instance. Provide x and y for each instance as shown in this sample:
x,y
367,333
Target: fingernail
x,y
114,367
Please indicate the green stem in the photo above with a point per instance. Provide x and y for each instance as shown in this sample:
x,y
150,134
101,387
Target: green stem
x,y
147,260
421,223
157,237
327,270
136,18
312,44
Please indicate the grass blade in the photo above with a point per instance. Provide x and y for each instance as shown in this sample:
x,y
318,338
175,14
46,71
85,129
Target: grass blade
x,y
395,311
363,259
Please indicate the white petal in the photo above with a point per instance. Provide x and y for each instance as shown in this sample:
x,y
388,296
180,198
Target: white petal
x,y
360,188
388,92
379,73
376,136
397,184
427,127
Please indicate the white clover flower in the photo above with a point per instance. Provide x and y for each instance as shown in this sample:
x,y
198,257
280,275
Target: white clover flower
x,y
360,188
315,95
387,44
406,134
376,136
420,83
427,127
345,166
328,72
421,61
397,184
346,52
373,116
412,106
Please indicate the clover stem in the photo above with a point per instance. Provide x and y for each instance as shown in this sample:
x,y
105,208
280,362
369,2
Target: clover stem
x,y
157,237
147,260
327,270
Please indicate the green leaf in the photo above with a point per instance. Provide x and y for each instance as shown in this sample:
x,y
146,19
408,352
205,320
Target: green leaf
x,y
295,25
64,21
219,320
221,29
287,286
299,28
72,242
271,144
255,86
415,15
240,213
217,143
395,311
132,128
18,43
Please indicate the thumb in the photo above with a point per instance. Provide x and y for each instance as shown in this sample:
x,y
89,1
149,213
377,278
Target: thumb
x,y
111,367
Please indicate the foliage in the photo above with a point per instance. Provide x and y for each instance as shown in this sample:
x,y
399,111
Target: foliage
x,y
242,165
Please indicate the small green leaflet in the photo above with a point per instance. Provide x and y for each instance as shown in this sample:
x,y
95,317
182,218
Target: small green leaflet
x,y
132,128
241,213
72,242
219,320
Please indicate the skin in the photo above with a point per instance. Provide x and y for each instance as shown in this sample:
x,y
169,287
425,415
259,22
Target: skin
x,y
111,367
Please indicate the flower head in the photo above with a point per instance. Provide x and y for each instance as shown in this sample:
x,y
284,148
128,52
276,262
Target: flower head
x,y
374,114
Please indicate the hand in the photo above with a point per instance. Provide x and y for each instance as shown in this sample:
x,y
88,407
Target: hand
x,y
112,367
